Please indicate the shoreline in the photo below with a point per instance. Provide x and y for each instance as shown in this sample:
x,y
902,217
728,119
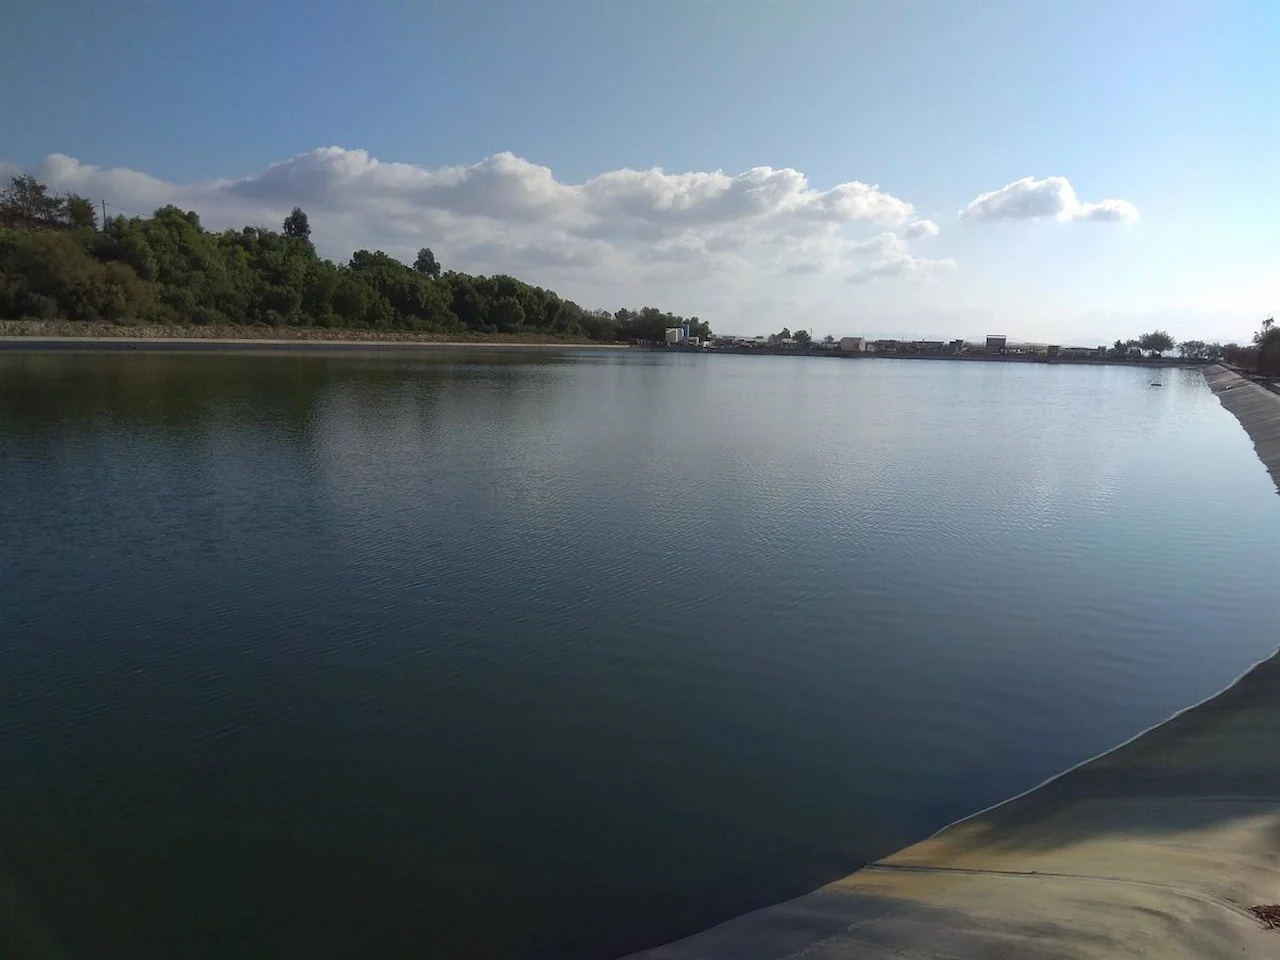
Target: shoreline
x,y
32,335
250,344
1160,846
60,335
1157,847
1257,406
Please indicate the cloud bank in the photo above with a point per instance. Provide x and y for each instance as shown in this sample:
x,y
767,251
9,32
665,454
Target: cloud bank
x,y
508,214
1031,199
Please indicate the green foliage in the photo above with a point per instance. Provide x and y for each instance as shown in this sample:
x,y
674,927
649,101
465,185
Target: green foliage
x,y
297,226
648,323
426,263
26,202
79,212
168,269
1267,340
1156,342
803,337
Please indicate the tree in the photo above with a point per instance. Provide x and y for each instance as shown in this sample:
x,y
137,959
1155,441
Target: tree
x,y
167,268
783,334
508,314
80,211
362,261
828,339
26,202
1192,349
1267,340
427,263
1156,342
297,226
803,337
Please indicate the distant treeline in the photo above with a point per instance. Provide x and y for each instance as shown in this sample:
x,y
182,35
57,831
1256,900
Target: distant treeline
x,y
56,264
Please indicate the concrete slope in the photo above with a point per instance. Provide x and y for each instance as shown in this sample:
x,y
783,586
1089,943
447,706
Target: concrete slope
x,y
1156,849
1257,409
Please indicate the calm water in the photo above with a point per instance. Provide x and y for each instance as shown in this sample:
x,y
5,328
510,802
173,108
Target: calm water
x,y
560,656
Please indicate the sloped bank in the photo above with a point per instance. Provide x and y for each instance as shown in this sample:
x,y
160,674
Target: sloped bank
x,y
1159,848
1257,409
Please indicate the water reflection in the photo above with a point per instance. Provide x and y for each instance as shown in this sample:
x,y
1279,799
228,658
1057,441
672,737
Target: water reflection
x,y
563,655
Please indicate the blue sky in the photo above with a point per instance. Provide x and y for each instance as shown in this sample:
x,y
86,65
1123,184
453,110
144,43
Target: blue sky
x,y
1168,108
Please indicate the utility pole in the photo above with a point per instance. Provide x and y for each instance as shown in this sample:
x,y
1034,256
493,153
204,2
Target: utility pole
x,y
104,215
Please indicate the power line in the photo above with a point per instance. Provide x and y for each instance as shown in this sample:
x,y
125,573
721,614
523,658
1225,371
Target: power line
x,y
113,206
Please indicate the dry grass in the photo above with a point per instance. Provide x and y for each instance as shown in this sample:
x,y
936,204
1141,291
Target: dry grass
x,y
1268,914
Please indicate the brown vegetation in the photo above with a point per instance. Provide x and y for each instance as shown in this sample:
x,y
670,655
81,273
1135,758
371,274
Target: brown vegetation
x,y
1268,914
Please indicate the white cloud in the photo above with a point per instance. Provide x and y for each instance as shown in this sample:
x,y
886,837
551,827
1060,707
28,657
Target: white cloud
x,y
902,264
885,243
920,228
1028,199
708,242
506,213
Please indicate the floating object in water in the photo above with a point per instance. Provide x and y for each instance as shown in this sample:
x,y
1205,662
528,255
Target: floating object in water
x,y
1155,383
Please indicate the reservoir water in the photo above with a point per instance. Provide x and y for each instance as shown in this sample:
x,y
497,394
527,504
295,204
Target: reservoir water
x,y
564,654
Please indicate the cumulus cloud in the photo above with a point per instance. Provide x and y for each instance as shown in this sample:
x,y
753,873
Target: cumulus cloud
x,y
902,264
1029,199
621,228
920,228
887,244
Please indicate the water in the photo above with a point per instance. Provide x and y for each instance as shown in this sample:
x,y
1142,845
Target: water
x,y
564,655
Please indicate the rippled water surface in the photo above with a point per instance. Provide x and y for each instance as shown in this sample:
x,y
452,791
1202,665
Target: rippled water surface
x,y
562,655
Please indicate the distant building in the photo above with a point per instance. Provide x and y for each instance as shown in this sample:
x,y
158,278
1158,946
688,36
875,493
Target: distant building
x,y
887,346
674,335
997,344
852,345
957,347
927,346
1052,350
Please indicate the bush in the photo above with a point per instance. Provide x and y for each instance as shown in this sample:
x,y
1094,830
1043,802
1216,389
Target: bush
x,y
39,307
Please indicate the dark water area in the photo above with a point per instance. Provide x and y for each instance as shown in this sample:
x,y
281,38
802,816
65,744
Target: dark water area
x,y
561,655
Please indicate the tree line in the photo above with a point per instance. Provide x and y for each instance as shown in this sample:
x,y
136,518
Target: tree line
x,y
1263,355
55,263
1266,349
